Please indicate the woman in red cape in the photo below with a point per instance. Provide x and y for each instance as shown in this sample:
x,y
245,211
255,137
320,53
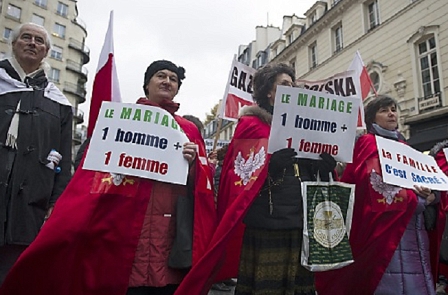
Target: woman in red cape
x,y
109,239
439,268
389,242
263,191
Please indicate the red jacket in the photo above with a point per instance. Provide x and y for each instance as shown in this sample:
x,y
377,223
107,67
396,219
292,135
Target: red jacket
x,y
377,227
87,246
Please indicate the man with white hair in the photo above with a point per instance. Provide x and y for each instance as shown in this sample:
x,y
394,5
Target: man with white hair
x,y
35,142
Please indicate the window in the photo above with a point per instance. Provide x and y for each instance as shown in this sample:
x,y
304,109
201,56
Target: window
x,y
14,11
54,75
373,16
290,38
56,52
313,55
429,69
335,2
313,18
37,19
62,9
59,30
375,78
7,33
292,63
41,3
337,35
261,59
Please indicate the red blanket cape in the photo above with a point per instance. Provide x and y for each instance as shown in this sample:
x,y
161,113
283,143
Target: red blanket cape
x,y
234,199
87,246
376,230
435,236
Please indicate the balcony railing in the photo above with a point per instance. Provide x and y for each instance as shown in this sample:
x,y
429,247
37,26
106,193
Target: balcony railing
x,y
78,115
78,90
80,23
77,137
77,67
81,47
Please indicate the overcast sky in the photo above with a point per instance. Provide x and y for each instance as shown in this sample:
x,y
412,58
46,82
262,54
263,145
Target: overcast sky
x,y
200,35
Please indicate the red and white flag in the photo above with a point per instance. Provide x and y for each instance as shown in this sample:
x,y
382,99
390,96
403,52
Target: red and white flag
x,y
363,84
238,92
105,86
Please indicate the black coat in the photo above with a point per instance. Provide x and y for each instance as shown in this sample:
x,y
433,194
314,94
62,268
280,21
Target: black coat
x,y
27,187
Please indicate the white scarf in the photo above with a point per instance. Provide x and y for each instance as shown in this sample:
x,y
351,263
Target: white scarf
x,y
13,131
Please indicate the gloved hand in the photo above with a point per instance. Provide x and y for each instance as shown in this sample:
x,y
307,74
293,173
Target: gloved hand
x,y
281,159
326,165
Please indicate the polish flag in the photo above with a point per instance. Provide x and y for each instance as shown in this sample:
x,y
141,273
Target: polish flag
x,y
363,85
105,86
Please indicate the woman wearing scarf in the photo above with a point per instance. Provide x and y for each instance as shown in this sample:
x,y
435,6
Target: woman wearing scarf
x,y
117,239
388,237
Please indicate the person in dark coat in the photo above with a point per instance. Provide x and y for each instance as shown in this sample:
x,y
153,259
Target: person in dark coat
x,y
35,142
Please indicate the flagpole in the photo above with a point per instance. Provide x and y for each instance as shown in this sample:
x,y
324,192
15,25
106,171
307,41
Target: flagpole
x,y
222,106
218,131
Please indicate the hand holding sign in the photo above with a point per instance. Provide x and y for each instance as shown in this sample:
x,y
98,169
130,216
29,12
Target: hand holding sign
x,y
313,123
139,140
189,151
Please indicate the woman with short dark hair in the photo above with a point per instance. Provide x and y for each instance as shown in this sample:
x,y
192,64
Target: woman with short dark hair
x,y
388,237
270,255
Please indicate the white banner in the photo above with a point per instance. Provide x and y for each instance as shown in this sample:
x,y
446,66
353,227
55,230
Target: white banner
x,y
342,84
314,122
405,167
139,140
209,144
239,90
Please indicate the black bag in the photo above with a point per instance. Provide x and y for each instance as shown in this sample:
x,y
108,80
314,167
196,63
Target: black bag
x,y
430,217
443,257
182,250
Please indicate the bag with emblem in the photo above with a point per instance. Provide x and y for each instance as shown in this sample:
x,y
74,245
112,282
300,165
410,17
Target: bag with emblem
x,y
327,219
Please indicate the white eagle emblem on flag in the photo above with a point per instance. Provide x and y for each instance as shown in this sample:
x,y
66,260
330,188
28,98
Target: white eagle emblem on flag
x,y
387,190
244,168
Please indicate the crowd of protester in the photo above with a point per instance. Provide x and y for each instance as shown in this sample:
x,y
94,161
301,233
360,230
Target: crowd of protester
x,y
62,234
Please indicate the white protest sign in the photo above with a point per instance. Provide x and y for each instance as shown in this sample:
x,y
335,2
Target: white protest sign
x,y
314,122
139,140
239,90
405,167
209,144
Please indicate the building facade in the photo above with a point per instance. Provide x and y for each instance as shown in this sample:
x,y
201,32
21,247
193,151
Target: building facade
x,y
255,54
69,53
402,43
